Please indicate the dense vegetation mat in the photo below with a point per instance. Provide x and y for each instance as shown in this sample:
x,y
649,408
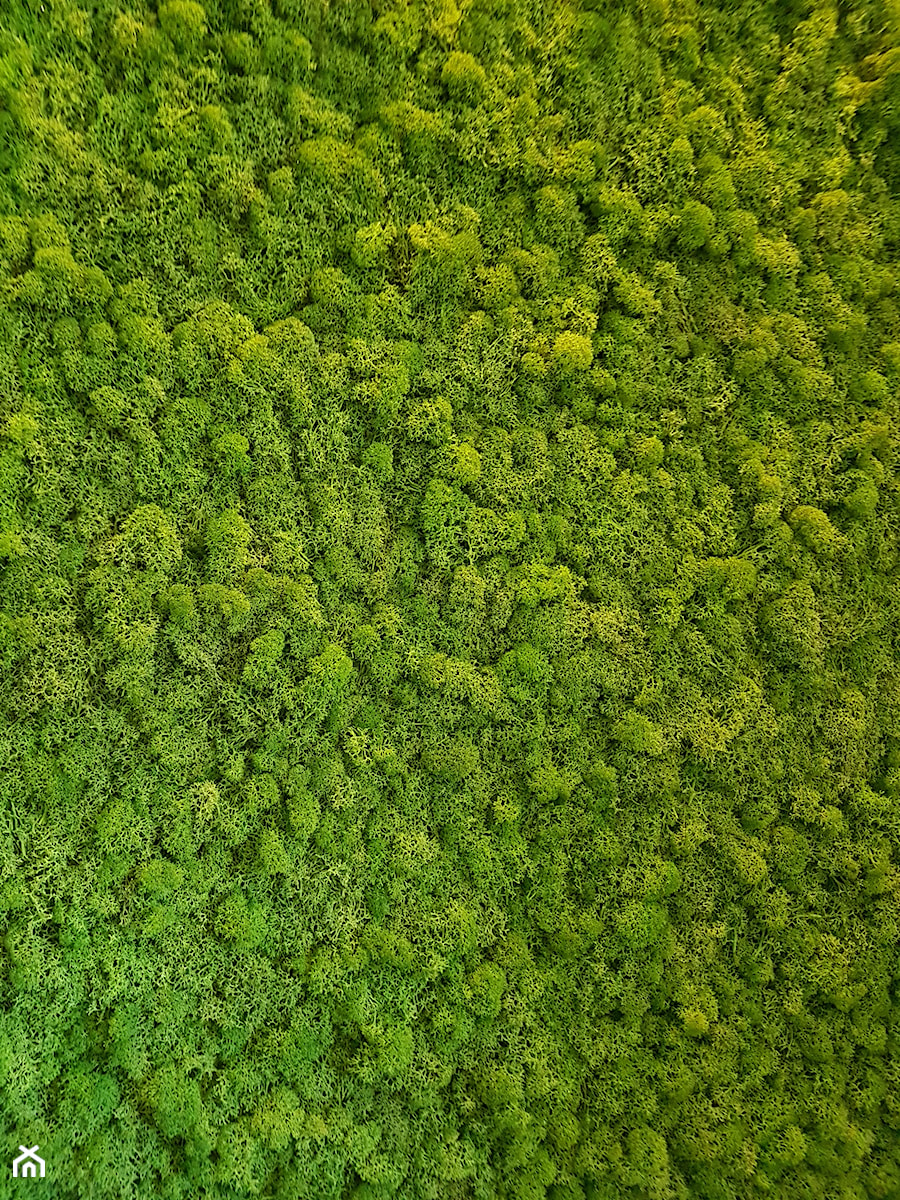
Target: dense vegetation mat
x,y
449,594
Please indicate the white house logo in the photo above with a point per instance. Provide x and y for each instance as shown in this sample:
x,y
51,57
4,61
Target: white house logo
x,y
29,1164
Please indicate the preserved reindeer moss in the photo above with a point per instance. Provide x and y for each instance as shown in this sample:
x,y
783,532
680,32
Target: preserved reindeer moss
x,y
449,593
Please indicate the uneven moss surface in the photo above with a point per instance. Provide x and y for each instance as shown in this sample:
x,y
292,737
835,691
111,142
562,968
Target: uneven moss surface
x,y
449,595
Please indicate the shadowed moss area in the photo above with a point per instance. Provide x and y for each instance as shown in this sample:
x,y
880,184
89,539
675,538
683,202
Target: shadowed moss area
x,y
449,596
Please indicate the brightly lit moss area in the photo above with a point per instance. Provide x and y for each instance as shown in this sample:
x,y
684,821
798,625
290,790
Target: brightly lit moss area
x,y
449,599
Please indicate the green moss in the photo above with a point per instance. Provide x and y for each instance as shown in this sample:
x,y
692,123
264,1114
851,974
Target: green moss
x,y
448,511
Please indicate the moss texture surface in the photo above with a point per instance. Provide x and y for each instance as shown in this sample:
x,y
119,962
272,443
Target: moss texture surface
x,y
449,595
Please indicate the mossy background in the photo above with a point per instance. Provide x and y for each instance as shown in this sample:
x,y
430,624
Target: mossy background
x,y
449,588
